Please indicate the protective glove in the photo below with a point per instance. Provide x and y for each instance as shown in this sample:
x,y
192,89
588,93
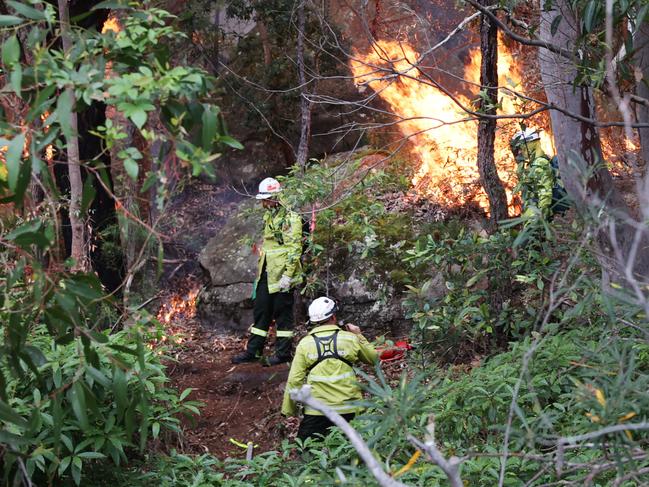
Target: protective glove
x,y
353,328
285,283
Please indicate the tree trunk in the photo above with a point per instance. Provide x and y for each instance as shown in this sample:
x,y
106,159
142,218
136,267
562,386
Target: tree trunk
x,y
641,43
305,104
265,43
622,240
77,223
487,126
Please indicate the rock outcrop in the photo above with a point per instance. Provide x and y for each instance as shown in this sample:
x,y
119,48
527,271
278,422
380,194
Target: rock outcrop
x,y
225,304
230,266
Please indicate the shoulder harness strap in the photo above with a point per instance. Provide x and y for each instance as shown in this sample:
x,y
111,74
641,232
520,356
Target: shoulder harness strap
x,y
327,347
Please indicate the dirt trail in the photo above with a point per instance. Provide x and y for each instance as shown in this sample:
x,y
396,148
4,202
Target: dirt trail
x,y
240,403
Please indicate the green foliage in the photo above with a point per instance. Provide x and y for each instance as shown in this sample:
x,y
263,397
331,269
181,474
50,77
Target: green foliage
x,y
180,470
591,47
314,462
73,395
573,383
485,394
142,81
111,249
352,225
493,287
70,412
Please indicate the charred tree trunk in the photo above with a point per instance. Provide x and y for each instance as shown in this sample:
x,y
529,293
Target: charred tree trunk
x,y
486,160
77,221
105,253
487,126
623,241
305,104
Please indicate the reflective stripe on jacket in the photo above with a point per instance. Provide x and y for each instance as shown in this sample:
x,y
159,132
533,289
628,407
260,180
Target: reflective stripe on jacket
x,y
332,381
281,248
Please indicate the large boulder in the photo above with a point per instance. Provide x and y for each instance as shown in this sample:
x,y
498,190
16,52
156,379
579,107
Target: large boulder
x,y
367,280
231,266
376,307
225,301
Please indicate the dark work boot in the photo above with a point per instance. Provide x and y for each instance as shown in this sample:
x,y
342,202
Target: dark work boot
x,y
253,352
284,347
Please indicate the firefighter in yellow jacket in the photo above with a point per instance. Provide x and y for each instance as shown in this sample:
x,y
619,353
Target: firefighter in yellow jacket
x,y
279,271
324,360
536,178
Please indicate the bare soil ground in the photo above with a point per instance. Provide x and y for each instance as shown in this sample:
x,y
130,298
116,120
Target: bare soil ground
x,y
239,403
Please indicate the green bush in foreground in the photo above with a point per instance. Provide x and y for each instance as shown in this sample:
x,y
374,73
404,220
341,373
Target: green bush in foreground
x,y
74,415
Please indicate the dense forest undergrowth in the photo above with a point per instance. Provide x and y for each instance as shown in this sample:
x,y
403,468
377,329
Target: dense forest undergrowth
x,y
131,138
551,337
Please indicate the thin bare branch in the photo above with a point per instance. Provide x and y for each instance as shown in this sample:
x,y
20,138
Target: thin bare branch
x,y
449,466
304,396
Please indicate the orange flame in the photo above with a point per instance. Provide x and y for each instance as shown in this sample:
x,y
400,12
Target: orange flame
x,y
442,135
111,25
179,307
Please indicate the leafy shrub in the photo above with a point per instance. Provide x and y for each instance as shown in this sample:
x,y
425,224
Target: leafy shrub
x,y
494,289
561,394
177,469
71,412
352,224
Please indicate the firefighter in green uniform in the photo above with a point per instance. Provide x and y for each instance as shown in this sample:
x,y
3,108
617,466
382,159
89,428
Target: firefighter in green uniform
x,y
279,271
536,178
324,360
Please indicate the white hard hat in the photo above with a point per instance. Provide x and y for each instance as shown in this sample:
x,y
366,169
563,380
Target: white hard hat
x,y
267,188
527,135
321,309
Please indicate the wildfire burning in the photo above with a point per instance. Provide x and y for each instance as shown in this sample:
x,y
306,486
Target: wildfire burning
x,y
178,306
443,136
111,25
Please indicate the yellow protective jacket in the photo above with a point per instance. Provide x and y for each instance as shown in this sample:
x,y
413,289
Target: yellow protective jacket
x,y
332,381
537,181
535,178
281,248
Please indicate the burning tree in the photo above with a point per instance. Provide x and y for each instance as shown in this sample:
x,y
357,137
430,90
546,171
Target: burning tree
x,y
419,84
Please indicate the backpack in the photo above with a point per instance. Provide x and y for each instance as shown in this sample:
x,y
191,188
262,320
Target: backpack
x,y
560,200
327,347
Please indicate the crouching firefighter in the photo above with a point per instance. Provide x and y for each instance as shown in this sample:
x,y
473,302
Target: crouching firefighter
x,y
279,270
324,360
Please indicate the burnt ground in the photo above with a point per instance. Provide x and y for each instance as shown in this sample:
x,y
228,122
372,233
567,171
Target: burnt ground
x,y
193,217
